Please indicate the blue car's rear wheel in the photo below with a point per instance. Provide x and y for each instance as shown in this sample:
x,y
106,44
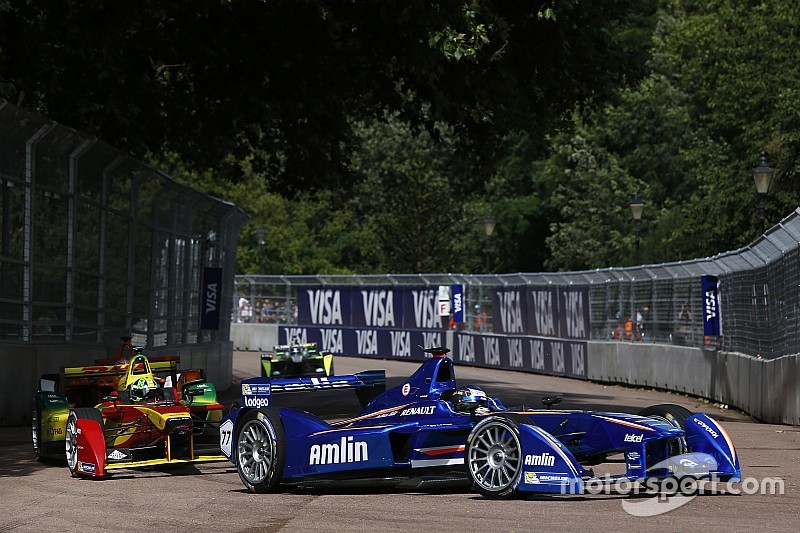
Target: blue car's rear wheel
x,y
494,457
261,450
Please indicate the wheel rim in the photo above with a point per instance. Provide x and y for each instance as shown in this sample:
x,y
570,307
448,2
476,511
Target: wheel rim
x,y
256,451
35,431
494,457
72,443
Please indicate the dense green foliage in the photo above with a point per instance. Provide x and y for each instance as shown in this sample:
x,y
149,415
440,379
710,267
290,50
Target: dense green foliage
x,y
374,136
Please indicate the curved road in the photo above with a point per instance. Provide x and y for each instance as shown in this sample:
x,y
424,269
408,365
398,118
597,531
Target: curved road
x,y
42,496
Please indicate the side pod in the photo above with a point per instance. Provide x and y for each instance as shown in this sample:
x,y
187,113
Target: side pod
x,y
705,435
91,449
547,466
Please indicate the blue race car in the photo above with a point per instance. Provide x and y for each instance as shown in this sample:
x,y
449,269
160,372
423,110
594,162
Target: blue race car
x,y
428,432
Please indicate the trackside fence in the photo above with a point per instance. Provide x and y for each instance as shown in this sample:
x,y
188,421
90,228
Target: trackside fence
x,y
94,245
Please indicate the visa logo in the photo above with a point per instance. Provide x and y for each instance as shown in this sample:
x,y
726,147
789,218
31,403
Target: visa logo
x,y
367,342
425,309
332,340
510,311
378,308
326,306
466,348
573,311
537,355
491,351
543,313
401,343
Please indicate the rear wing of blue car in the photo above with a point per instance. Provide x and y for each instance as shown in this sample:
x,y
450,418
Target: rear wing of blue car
x,y
257,392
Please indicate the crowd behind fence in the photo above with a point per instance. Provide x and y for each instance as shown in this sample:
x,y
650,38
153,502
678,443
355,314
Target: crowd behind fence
x,y
664,303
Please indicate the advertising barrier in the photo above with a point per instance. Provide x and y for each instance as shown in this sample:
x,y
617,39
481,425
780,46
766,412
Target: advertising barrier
x,y
366,342
529,354
366,307
561,312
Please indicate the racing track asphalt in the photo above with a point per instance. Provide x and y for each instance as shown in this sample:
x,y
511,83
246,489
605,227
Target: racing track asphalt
x,y
42,496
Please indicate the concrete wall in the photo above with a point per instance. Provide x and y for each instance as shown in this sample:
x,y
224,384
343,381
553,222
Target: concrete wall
x,y
254,337
765,389
22,366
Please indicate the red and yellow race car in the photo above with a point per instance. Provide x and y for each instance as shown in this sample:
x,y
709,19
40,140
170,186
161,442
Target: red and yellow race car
x,y
126,414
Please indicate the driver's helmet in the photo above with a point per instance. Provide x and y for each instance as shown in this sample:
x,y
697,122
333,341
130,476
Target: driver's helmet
x,y
139,389
297,353
466,398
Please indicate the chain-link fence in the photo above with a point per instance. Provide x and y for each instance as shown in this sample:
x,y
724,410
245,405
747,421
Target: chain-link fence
x,y
96,244
758,296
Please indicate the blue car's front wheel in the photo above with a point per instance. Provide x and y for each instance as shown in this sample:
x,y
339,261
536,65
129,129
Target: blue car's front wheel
x,y
494,457
261,450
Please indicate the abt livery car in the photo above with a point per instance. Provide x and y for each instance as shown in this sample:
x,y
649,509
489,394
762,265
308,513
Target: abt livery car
x,y
127,414
295,360
428,431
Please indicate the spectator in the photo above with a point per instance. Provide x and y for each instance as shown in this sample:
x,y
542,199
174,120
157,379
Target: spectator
x,y
241,307
684,323
264,311
640,325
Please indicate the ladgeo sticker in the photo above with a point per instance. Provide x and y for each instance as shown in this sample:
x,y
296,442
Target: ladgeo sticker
x,y
406,389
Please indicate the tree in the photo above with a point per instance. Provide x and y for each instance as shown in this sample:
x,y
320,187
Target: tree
x,y
279,81
722,87
413,192
591,195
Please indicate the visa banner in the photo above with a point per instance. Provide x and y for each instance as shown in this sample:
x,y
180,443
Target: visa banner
x,y
369,307
529,354
458,303
712,323
209,298
366,342
558,312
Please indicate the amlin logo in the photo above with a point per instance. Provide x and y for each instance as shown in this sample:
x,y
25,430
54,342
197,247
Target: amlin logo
x,y
346,451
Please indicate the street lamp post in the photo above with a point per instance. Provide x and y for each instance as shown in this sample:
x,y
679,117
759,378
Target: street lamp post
x,y
762,176
637,207
488,228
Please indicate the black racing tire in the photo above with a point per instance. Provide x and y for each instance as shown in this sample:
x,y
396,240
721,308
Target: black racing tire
x,y
261,450
71,437
232,407
493,456
675,415
36,430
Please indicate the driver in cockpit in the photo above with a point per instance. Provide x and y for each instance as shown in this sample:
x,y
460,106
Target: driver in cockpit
x,y
471,399
144,388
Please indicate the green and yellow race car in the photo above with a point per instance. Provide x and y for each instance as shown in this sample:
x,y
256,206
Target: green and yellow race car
x,y
297,360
